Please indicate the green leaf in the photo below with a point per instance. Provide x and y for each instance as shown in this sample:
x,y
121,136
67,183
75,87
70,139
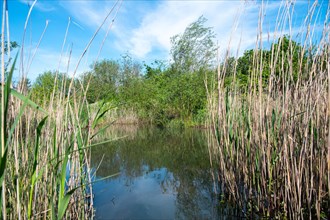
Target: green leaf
x,y
100,114
34,177
63,200
36,148
3,166
101,130
27,100
7,87
63,203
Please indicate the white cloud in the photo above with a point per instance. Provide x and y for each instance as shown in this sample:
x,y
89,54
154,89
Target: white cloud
x,y
89,13
172,17
145,28
142,29
44,6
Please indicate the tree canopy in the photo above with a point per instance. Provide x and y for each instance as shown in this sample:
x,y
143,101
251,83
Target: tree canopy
x,y
195,48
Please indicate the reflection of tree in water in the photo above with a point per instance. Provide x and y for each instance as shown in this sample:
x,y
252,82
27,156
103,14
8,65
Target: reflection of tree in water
x,y
195,198
178,159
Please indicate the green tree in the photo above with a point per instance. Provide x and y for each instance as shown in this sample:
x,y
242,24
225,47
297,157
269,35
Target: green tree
x,y
131,81
187,94
129,70
195,48
8,46
102,80
285,58
193,54
24,85
44,86
156,68
11,45
290,59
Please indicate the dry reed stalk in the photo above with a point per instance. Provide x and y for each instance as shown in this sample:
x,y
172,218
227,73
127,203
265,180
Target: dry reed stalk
x,y
3,102
41,149
276,135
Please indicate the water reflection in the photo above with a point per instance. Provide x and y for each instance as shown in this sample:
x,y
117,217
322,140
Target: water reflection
x,y
164,174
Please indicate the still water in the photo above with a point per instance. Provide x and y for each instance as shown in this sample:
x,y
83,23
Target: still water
x,y
164,174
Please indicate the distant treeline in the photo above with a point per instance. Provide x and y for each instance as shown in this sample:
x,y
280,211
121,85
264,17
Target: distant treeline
x,y
176,92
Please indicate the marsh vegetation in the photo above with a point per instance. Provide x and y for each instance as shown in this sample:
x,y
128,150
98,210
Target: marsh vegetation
x,y
272,141
265,150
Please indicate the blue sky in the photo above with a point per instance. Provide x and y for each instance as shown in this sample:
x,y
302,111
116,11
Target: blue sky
x,y
141,28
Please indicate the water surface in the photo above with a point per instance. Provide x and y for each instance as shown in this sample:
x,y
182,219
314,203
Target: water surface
x,y
164,174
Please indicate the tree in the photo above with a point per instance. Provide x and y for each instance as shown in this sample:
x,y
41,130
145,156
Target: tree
x,y
286,60
156,68
290,59
12,45
102,80
44,86
129,70
23,85
131,82
195,48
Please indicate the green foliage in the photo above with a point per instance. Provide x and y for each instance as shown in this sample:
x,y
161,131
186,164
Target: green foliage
x,y
153,71
3,136
162,93
35,176
102,80
188,94
109,77
48,83
129,70
292,58
244,63
7,137
285,60
7,48
12,45
195,48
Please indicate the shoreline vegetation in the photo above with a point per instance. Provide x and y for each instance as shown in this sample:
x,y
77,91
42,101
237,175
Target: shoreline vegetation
x,y
45,169
267,113
272,142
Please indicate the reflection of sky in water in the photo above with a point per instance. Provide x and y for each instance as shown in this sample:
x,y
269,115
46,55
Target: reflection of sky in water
x,y
163,175
142,197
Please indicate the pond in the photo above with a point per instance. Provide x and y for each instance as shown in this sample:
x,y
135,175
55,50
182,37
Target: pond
x,y
163,174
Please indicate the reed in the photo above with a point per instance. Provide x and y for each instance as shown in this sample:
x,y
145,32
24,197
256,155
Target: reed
x,y
45,149
272,142
45,162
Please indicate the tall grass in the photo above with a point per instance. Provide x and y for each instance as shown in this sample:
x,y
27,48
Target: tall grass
x,y
272,143
45,162
45,150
